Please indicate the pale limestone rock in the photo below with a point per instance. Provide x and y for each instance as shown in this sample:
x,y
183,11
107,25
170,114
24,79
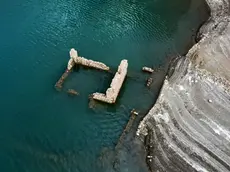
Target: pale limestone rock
x,y
147,69
115,86
73,53
71,64
85,62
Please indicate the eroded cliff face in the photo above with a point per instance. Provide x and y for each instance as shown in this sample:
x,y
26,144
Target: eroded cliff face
x,y
190,123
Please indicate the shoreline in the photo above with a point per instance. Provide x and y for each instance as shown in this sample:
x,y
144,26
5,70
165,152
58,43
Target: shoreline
x,y
174,144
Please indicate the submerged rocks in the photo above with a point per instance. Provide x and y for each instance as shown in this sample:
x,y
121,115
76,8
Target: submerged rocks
x,y
60,82
191,118
72,92
134,112
149,82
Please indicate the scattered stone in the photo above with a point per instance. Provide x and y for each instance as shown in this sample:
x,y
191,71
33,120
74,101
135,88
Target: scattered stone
x,y
115,86
149,81
126,130
60,82
147,69
74,58
209,100
72,92
134,112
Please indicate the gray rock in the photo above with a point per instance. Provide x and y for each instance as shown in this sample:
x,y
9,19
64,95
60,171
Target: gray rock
x,y
191,118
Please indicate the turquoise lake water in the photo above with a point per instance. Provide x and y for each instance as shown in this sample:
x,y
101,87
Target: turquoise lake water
x,y
42,130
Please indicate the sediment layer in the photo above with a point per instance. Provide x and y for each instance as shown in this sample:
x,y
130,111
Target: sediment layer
x,y
190,122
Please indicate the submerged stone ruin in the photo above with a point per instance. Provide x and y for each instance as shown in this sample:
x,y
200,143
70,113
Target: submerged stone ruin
x,y
115,86
75,59
60,82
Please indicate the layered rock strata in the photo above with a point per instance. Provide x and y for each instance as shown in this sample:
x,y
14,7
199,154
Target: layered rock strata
x,y
190,122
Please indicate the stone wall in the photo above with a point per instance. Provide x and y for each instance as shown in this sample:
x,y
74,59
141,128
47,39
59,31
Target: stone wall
x,y
85,62
115,86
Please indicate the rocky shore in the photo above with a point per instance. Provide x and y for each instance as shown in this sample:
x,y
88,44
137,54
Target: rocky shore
x,y
190,123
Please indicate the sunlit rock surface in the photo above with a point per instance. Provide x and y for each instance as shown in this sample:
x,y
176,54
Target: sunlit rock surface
x,y
112,92
190,122
74,58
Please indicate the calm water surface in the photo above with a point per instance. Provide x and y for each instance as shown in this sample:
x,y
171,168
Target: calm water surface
x,y
42,130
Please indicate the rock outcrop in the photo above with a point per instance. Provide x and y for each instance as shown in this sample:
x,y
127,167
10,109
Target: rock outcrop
x,y
190,122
